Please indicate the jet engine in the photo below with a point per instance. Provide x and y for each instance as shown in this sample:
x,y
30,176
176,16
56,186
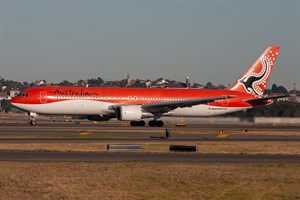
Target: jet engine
x,y
131,113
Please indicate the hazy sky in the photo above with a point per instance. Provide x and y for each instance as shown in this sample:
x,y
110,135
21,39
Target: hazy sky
x,y
208,40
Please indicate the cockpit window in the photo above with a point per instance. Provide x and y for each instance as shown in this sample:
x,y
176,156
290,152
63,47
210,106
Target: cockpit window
x,y
22,95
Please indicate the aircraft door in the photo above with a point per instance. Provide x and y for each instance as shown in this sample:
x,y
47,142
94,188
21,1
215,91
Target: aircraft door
x,y
43,97
225,102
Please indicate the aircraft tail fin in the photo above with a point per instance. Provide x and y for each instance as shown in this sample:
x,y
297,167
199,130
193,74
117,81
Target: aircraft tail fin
x,y
255,79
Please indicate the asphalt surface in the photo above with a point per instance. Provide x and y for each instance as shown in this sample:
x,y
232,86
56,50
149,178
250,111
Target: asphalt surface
x,y
71,132
113,132
148,157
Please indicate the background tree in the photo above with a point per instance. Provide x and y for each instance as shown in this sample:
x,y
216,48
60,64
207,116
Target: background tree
x,y
95,82
208,85
65,83
279,89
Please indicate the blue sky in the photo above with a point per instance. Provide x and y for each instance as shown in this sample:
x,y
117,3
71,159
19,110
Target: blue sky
x,y
210,40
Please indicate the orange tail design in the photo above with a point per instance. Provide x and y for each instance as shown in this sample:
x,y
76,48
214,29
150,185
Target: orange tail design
x,y
255,79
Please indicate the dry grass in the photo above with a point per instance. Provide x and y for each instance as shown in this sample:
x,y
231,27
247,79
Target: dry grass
x,y
36,180
204,147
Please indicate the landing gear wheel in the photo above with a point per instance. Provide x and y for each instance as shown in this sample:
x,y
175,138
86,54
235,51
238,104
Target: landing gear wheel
x,y
32,123
137,123
133,123
154,123
159,123
151,123
32,117
141,123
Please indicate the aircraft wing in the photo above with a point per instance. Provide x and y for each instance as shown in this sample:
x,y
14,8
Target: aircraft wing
x,y
163,107
263,99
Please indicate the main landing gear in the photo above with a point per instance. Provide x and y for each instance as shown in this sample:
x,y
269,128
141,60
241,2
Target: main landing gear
x,y
152,123
157,123
32,117
137,123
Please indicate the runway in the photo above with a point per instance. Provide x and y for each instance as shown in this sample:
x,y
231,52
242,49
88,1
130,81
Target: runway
x,y
113,132
74,133
204,138
147,157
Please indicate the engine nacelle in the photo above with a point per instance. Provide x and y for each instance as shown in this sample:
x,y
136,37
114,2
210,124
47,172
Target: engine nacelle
x,y
131,113
98,117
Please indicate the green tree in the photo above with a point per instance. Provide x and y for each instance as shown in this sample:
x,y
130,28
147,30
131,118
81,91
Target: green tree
x,y
95,82
65,83
209,85
279,89
6,106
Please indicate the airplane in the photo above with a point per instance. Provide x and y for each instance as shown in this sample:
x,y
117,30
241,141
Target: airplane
x,y
136,104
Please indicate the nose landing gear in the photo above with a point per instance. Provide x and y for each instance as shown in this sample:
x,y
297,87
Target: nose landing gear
x,y
32,117
32,122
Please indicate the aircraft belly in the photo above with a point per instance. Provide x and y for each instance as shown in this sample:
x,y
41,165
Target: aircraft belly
x,y
204,111
71,107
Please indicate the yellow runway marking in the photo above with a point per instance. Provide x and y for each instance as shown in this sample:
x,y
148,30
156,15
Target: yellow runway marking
x,y
223,135
84,133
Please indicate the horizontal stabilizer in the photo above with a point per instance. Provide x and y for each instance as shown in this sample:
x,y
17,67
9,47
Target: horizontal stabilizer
x,y
263,99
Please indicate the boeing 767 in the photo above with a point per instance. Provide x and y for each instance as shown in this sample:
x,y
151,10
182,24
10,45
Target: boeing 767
x,y
136,104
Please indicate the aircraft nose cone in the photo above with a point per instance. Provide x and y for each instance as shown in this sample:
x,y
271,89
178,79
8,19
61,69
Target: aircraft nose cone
x,y
14,101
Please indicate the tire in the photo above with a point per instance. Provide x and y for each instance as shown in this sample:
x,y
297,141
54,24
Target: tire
x,y
32,123
154,123
159,123
151,123
133,123
141,123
